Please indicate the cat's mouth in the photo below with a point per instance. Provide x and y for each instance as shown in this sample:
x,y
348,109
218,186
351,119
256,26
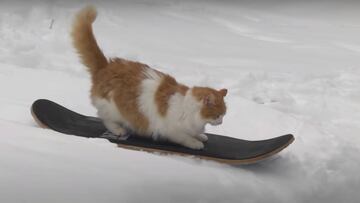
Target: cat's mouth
x,y
217,121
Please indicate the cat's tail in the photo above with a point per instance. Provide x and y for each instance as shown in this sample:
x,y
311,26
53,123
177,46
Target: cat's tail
x,y
85,42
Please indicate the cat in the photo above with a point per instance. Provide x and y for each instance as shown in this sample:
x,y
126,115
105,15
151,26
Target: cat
x,y
132,97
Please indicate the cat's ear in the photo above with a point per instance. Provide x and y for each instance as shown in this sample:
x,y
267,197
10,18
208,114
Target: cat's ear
x,y
223,92
209,100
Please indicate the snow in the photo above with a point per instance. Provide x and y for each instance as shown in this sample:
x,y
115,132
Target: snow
x,y
290,67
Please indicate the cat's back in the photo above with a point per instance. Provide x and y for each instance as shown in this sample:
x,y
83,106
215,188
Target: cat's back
x,y
119,73
121,69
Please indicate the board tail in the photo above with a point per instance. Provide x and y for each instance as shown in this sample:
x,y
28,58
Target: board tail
x,y
85,42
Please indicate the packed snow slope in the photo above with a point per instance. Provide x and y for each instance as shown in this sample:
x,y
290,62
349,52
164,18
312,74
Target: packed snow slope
x,y
290,67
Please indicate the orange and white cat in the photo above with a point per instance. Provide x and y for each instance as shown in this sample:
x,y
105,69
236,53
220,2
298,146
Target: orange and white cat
x,y
131,96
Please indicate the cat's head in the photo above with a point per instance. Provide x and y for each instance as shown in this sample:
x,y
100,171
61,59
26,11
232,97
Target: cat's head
x,y
213,106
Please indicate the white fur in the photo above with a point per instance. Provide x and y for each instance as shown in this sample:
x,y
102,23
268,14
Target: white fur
x,y
217,121
151,74
112,118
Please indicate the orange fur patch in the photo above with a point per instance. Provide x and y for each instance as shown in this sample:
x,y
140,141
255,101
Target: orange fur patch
x,y
166,89
85,42
213,101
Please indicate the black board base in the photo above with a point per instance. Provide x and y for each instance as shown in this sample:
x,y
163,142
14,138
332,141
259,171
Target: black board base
x,y
218,148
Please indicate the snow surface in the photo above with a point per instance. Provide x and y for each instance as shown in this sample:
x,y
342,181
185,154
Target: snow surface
x,y
290,67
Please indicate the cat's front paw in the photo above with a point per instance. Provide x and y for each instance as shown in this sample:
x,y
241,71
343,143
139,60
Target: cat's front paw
x,y
202,137
193,144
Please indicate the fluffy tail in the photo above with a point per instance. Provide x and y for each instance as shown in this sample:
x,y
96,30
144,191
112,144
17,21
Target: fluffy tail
x,y
85,42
